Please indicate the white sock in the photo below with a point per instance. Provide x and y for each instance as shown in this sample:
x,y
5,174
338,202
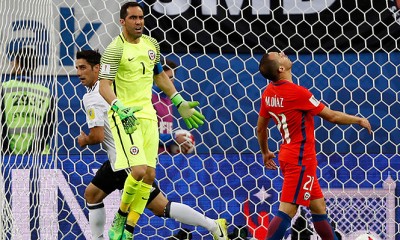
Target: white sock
x,y
97,220
185,214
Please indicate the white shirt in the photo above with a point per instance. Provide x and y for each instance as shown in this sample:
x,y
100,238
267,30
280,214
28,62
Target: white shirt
x,y
96,116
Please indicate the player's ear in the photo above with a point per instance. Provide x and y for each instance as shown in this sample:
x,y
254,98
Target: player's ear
x,y
281,69
96,67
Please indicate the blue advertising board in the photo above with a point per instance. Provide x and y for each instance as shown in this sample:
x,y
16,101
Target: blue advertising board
x,y
232,186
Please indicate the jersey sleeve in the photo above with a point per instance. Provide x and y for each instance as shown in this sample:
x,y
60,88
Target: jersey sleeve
x,y
263,110
157,46
157,66
110,60
308,102
94,113
93,117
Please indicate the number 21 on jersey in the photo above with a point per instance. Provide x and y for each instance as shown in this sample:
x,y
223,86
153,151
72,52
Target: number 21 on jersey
x,y
308,185
282,126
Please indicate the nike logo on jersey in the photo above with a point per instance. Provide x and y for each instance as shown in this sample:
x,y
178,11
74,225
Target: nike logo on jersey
x,y
129,193
130,59
145,198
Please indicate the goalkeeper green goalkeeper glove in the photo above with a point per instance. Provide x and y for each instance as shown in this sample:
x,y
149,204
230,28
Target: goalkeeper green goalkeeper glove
x,y
192,117
126,114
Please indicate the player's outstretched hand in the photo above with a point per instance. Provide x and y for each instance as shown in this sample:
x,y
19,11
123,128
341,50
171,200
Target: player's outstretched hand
x,y
126,114
192,117
365,124
81,139
269,162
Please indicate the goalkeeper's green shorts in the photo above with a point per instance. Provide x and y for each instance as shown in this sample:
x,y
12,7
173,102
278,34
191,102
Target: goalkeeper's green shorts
x,y
130,148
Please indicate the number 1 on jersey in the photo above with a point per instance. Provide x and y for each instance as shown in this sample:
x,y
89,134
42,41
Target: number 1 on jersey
x,y
144,68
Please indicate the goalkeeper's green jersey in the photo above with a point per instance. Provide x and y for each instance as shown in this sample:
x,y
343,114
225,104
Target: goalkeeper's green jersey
x,y
131,66
26,106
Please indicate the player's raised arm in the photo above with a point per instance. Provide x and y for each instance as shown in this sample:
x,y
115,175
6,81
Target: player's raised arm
x,y
105,90
192,117
338,117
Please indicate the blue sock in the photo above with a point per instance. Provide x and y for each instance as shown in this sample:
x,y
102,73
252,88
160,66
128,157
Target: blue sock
x,y
278,226
323,227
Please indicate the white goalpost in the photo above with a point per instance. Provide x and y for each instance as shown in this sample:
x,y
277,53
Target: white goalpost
x,y
6,217
344,203
357,211
345,52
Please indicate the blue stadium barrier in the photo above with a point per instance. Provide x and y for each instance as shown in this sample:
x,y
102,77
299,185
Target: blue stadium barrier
x,y
217,185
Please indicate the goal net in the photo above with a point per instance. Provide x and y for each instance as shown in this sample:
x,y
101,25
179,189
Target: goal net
x,y
28,114
345,52
354,211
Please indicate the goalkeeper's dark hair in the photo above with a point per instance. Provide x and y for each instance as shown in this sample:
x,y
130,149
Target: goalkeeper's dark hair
x,y
91,56
124,9
269,68
27,60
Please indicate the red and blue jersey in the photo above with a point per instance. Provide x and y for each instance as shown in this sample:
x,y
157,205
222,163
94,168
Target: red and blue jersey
x,y
292,108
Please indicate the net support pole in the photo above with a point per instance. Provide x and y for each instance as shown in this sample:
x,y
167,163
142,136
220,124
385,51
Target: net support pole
x,y
390,185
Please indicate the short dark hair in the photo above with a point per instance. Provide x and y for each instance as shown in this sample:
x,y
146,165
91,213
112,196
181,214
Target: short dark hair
x,y
27,60
91,56
269,68
123,12
169,65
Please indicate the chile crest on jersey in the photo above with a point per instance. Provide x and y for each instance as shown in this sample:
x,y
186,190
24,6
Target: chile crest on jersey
x,y
152,55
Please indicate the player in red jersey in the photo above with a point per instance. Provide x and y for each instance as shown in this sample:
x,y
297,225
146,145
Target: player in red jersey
x,y
293,108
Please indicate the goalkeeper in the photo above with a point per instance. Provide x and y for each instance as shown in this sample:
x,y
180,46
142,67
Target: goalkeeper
x,y
107,180
27,107
129,65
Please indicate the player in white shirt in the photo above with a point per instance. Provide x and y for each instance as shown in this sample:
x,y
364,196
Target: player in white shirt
x,y
96,109
106,179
